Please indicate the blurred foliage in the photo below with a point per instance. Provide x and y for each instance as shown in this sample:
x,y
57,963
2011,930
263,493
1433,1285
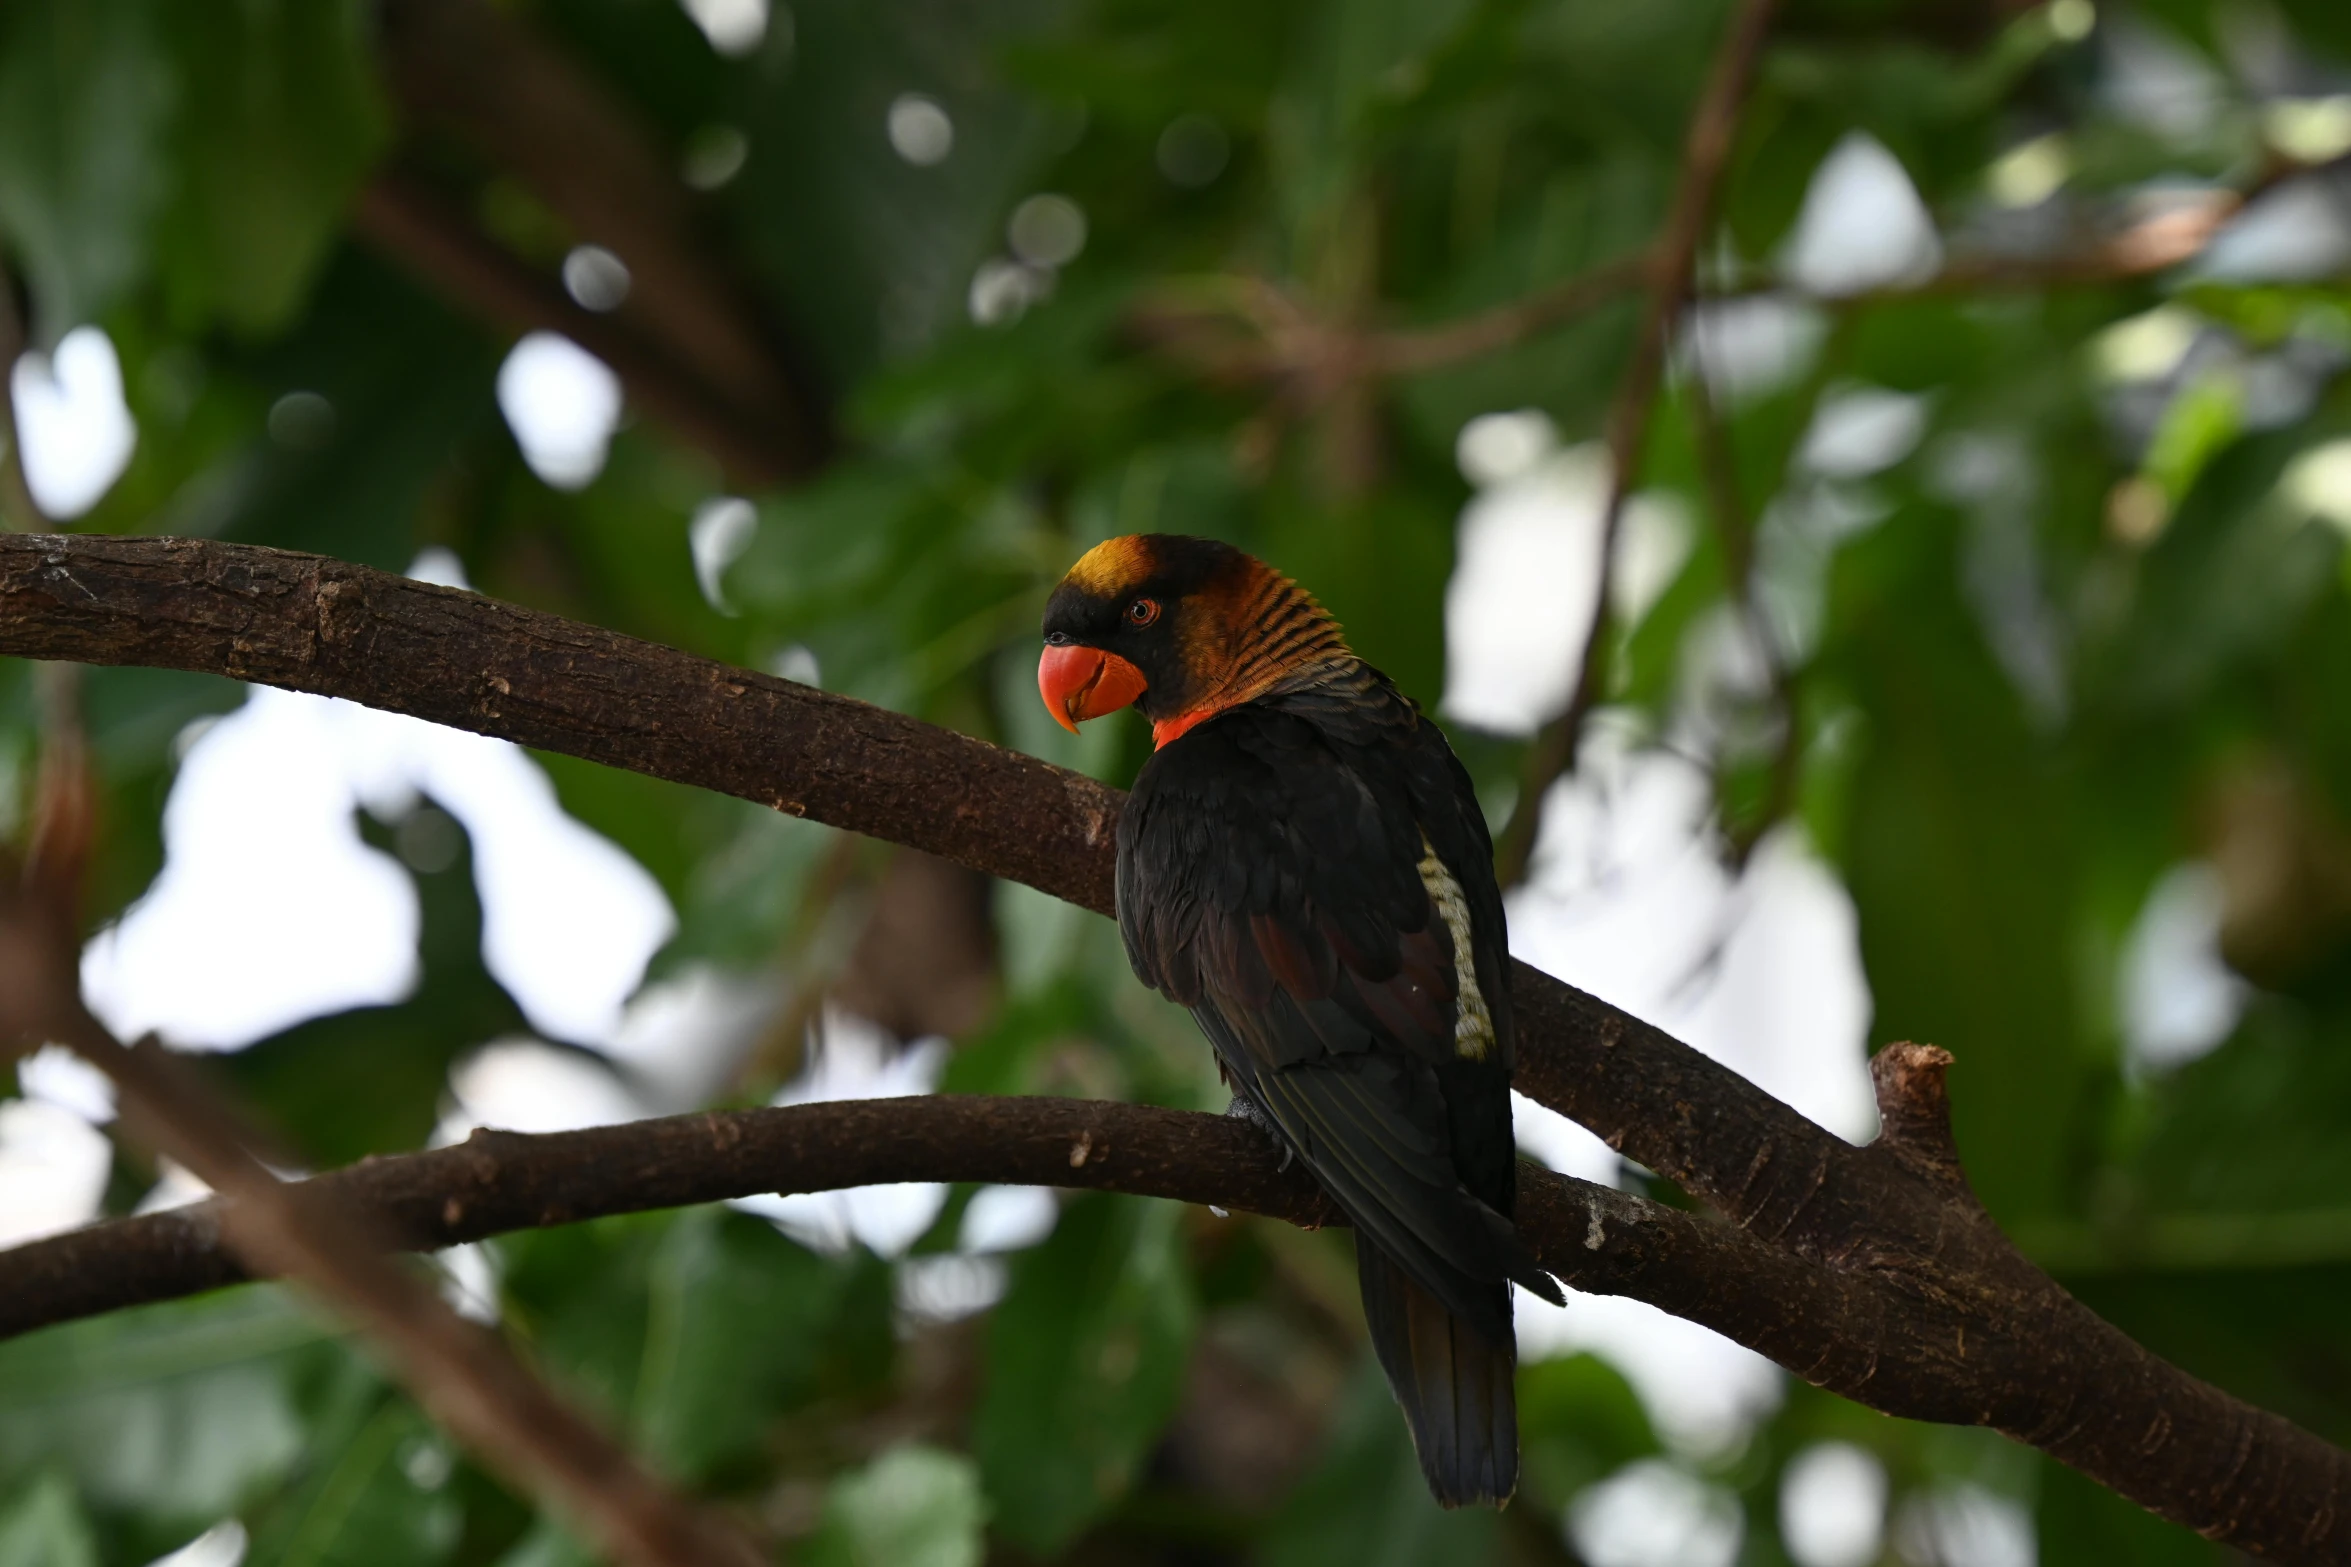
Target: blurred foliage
x,y
2092,623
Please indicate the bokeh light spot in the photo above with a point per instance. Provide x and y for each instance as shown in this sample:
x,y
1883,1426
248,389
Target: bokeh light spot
x,y
302,421
1193,151
1047,231
1833,1506
920,131
596,278
562,404
734,27
73,428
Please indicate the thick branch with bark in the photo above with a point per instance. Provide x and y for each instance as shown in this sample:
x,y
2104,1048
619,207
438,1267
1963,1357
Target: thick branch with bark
x,y
1869,1271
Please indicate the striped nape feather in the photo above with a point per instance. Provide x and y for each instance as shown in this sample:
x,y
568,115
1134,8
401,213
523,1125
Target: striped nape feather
x,y
1473,1022
1277,631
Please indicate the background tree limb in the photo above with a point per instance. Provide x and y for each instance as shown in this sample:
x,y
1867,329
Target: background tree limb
x,y
479,72
1713,127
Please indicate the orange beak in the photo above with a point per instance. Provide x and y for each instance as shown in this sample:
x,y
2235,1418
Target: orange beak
x,y
1079,683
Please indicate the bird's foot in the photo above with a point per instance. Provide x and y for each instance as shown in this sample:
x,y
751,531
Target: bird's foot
x,y
1244,1108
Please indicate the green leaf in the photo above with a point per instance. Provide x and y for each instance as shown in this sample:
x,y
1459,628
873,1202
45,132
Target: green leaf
x,y
411,384
1085,1363
378,1499
914,1506
86,96
1366,1505
373,1079
900,241
44,1526
2081,1521
282,117
1578,1422
179,1411
1964,856
2207,414
733,1340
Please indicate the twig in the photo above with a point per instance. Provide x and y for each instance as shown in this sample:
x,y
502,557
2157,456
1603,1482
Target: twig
x,y
1713,128
427,237
1239,330
19,512
2020,1355
1419,350
813,949
483,72
1735,534
2171,237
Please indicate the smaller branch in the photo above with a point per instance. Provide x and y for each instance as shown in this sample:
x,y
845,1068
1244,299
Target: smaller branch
x,y
1914,1113
1735,533
1247,331
19,512
1942,1323
810,954
437,245
2169,238
1713,129
484,73
1419,350
2154,244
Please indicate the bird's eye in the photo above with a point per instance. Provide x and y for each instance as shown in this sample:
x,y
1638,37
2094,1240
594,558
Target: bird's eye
x,y
1142,612
1057,639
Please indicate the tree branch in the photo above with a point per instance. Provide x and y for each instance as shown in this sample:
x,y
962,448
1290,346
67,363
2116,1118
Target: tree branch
x,y
481,72
1861,1332
1854,1267
1734,532
464,1376
429,239
1245,330
1417,350
1596,1238
19,512
1713,127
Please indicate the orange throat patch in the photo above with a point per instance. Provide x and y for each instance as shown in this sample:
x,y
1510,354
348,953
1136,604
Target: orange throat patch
x,y
1266,631
1168,729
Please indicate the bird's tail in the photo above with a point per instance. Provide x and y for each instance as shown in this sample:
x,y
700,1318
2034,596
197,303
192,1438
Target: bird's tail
x,y
1455,1384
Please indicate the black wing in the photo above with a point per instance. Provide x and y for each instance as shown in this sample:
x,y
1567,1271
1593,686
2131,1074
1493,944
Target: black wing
x,y
1270,879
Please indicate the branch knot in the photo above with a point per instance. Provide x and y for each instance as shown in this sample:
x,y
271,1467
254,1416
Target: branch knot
x,y
1914,1113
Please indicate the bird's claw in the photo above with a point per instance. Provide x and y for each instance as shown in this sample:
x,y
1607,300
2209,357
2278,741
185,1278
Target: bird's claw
x,y
1244,1108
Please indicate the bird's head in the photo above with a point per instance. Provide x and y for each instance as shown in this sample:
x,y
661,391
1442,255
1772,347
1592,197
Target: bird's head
x,y
1180,628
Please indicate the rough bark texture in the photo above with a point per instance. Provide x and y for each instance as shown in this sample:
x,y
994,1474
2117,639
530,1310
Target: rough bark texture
x,y
1595,1237
1869,1271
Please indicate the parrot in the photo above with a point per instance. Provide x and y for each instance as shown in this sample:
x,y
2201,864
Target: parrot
x,y
1302,864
